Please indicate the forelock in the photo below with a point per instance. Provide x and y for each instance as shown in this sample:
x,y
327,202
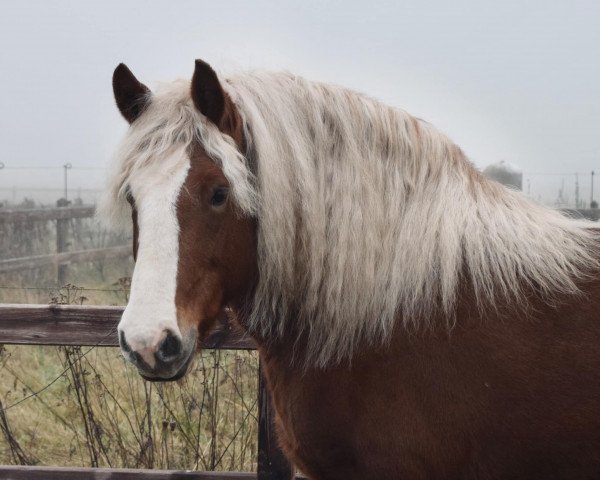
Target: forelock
x,y
171,122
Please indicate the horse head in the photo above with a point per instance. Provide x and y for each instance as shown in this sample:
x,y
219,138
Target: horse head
x,y
194,247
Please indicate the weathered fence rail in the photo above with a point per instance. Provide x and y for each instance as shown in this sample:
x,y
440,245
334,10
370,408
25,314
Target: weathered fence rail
x,y
46,214
65,473
62,258
587,213
87,325
97,326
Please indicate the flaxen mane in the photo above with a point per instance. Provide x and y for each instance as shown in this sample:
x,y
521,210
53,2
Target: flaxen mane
x,y
365,214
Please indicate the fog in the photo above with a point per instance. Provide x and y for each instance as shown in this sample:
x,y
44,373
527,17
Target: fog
x,y
515,81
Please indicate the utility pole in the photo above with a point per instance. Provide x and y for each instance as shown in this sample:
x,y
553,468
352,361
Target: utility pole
x,y
577,191
560,200
1,167
67,166
592,191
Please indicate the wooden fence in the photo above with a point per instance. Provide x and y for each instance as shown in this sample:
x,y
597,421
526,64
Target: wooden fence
x,y
62,258
97,326
588,213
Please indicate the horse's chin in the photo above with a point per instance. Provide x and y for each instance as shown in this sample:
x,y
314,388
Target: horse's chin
x,y
178,376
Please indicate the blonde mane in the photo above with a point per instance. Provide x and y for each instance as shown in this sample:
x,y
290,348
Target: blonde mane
x,y
366,215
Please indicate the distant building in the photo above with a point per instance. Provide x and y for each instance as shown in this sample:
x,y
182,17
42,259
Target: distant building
x,y
505,173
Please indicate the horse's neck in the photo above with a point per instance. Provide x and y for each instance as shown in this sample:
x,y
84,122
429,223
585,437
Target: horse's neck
x,y
284,357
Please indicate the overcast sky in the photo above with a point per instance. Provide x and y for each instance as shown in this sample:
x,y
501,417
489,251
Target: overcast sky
x,y
512,80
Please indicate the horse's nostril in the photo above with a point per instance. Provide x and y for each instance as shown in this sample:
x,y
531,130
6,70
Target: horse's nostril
x,y
123,343
170,348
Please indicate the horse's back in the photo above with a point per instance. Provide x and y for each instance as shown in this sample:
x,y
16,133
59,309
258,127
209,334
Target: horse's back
x,y
495,398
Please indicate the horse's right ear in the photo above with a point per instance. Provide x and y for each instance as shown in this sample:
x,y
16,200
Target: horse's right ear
x,y
131,95
207,93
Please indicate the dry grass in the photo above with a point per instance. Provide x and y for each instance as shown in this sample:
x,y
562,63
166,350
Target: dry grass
x,y
74,406
101,413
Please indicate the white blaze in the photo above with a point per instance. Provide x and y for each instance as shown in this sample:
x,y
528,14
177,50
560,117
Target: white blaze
x,y
151,308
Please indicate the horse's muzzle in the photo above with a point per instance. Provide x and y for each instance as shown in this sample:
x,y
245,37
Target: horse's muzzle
x,y
166,360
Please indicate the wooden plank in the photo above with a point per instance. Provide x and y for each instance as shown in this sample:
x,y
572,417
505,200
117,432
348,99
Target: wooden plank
x,y
37,261
272,462
46,214
13,472
89,325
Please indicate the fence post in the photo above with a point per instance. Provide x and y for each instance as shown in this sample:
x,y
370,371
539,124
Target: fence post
x,y
62,234
272,463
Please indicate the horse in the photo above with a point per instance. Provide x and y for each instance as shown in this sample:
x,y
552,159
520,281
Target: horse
x,y
415,319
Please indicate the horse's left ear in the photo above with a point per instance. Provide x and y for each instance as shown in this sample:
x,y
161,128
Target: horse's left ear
x,y
207,93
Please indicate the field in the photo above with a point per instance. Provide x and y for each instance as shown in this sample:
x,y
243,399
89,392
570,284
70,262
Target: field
x,y
85,406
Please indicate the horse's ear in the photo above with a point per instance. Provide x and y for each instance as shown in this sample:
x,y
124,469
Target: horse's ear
x,y
207,93
131,95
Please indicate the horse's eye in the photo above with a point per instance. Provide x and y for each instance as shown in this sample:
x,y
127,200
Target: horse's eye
x,y
219,196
